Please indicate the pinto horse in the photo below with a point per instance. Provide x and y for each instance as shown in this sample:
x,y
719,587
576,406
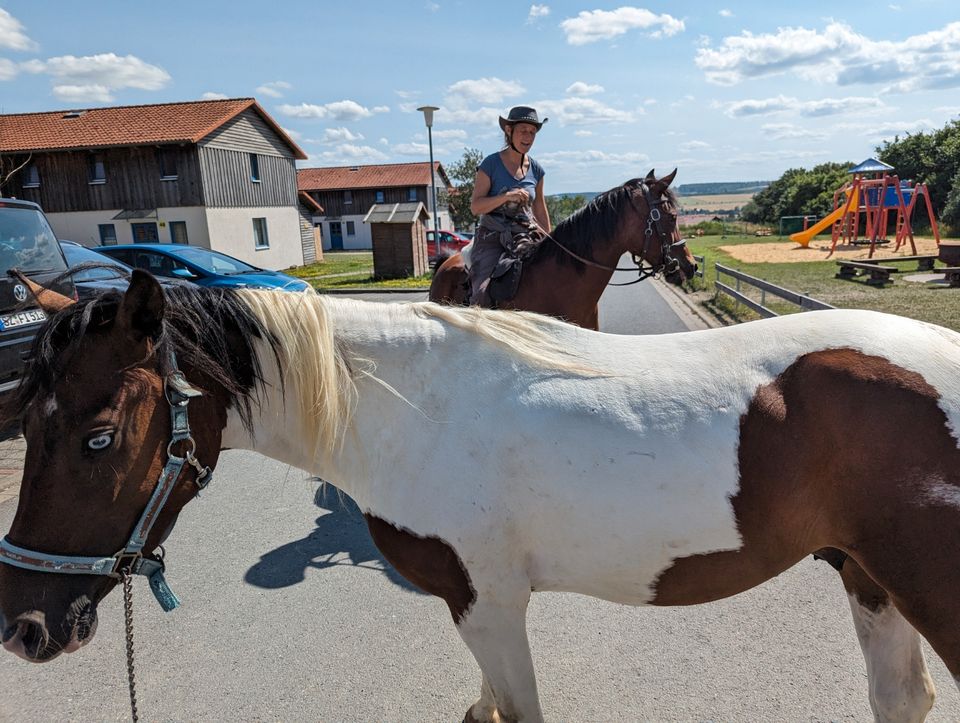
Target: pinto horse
x,y
748,461
568,272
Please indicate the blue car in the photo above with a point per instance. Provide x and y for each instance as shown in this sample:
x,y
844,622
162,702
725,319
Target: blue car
x,y
201,266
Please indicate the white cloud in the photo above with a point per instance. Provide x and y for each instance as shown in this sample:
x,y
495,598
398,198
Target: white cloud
x,y
789,131
411,149
274,89
537,11
341,110
583,111
295,135
483,90
92,93
455,133
339,135
94,78
808,108
432,7
384,142
210,95
895,8
725,13
583,134
591,157
350,153
591,26
838,55
581,88
12,35
8,69
690,146
381,109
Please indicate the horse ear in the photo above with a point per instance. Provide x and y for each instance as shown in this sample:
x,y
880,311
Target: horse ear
x,y
141,311
50,301
650,177
668,179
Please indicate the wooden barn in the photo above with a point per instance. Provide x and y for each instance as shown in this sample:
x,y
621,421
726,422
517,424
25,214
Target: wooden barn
x,y
398,231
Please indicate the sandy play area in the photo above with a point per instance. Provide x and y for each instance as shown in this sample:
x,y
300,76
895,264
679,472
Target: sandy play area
x,y
779,252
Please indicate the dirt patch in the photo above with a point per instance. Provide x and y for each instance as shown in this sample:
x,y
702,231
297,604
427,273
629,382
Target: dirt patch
x,y
783,252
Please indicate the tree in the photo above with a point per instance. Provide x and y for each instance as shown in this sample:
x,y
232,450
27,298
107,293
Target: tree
x,y
458,201
10,167
560,207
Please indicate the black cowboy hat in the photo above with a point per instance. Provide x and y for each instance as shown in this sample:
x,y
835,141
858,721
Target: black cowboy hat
x,y
522,114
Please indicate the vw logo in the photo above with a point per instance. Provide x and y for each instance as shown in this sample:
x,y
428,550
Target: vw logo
x,y
20,292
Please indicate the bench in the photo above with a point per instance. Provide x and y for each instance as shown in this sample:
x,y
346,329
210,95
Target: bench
x,y
952,274
879,275
924,263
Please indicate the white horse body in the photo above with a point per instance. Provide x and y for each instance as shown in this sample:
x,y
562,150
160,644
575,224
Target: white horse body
x,y
590,484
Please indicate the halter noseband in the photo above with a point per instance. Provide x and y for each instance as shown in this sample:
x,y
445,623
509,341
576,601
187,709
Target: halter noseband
x,y
667,264
131,560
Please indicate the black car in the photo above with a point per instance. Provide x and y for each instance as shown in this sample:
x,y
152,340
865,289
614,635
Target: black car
x,y
27,243
112,274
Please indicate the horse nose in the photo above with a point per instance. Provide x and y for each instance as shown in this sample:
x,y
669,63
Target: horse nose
x,y
26,637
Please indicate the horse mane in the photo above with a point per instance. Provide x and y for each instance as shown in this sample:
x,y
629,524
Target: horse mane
x,y
211,330
593,225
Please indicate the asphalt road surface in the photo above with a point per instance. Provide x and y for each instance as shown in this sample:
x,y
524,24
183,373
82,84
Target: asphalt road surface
x,y
290,614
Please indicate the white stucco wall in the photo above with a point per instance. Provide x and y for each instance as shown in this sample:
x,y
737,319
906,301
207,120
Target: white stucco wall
x,y
231,231
83,226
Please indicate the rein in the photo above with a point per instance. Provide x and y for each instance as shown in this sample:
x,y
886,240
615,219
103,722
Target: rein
x,y
130,560
653,217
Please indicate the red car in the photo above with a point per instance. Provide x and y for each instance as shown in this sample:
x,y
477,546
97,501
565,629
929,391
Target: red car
x,y
450,243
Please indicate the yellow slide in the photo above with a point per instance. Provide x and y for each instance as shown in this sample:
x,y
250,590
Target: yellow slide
x,y
803,237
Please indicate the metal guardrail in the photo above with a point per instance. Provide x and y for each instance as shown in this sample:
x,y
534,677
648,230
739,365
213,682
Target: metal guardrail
x,y
806,303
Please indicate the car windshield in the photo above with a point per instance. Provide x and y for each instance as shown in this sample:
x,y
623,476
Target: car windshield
x,y
77,255
214,262
27,242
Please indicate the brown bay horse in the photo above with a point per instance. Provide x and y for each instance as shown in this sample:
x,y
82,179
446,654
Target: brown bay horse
x,y
573,266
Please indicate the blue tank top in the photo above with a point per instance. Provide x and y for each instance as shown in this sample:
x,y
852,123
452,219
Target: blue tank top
x,y
502,181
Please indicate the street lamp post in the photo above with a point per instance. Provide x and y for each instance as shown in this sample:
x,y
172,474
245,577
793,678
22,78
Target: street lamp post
x,y
428,111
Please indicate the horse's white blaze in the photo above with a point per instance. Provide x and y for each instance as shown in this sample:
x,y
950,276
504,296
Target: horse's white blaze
x,y
901,688
587,484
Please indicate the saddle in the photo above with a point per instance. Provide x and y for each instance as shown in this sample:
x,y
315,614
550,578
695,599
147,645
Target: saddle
x,y
520,242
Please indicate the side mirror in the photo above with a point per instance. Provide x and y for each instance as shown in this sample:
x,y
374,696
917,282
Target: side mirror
x,y
183,274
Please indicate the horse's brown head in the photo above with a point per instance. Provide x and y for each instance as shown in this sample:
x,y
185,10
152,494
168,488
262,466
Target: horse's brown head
x,y
98,422
657,241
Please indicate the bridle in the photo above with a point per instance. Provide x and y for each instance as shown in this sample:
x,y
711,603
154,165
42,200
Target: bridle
x,y
131,559
668,264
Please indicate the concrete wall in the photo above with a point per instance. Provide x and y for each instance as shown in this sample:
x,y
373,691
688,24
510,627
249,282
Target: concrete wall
x,y
231,230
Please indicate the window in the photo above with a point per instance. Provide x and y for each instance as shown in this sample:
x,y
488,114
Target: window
x,y
411,194
351,229
167,159
32,177
260,238
108,234
178,232
379,197
97,169
254,168
348,198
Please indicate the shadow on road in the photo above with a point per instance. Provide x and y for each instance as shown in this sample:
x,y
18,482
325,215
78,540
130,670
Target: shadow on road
x,y
340,538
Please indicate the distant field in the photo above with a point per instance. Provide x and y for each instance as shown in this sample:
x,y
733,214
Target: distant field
x,y
716,201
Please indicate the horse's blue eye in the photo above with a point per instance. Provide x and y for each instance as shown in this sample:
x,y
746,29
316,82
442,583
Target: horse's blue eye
x,y
101,441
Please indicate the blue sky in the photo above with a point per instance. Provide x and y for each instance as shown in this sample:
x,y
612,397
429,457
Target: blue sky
x,y
726,91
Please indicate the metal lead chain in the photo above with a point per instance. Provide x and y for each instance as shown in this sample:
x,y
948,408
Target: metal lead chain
x,y
128,623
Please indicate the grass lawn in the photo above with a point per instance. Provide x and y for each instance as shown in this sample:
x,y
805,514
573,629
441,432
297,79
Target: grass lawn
x,y
935,304
351,270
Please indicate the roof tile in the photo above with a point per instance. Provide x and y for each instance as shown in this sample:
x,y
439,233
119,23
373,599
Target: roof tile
x,y
379,176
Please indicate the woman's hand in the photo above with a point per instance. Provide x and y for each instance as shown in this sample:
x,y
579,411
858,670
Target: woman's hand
x,y
517,196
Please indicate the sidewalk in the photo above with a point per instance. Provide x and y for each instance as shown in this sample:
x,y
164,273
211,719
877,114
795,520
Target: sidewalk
x,y
12,452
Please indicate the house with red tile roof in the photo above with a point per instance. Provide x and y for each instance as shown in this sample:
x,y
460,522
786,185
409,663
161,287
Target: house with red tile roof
x,y
346,194
220,174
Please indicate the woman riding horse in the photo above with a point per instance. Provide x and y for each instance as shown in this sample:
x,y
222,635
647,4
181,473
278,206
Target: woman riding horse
x,y
508,197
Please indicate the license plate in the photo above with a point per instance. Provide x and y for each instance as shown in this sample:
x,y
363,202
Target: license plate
x,y
22,318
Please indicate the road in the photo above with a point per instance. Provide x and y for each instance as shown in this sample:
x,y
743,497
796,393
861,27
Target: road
x,y
290,614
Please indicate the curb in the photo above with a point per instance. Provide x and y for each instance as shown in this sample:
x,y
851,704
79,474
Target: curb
x,y
371,290
687,306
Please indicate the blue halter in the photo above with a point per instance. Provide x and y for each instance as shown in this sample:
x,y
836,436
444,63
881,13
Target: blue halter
x,y
130,560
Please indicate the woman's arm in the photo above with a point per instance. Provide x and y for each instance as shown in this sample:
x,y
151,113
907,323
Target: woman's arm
x,y
481,203
540,211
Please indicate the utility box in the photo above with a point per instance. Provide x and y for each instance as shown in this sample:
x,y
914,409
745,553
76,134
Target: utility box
x,y
398,231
